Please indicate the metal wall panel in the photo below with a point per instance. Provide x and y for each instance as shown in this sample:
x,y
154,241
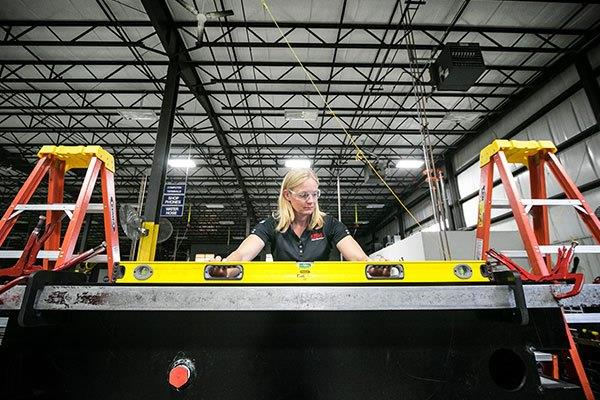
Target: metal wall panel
x,y
542,97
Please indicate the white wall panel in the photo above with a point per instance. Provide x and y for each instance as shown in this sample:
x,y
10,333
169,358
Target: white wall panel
x,y
468,180
542,97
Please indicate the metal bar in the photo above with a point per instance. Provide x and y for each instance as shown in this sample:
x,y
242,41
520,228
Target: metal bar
x,y
288,298
300,25
215,148
162,145
257,63
300,130
68,80
280,45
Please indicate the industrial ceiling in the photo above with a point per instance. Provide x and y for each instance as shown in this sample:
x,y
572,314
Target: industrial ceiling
x,y
67,71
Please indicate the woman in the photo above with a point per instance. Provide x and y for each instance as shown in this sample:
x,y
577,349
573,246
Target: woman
x,y
299,231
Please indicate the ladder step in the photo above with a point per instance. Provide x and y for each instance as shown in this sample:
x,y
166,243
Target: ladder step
x,y
46,254
92,207
538,202
582,318
553,249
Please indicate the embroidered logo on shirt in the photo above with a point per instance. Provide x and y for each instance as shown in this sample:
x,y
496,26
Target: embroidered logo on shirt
x,y
317,236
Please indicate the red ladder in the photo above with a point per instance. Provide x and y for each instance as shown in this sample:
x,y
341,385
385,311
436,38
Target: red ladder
x,y
535,155
56,161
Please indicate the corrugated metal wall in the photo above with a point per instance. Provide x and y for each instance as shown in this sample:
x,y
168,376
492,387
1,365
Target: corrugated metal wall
x,y
580,157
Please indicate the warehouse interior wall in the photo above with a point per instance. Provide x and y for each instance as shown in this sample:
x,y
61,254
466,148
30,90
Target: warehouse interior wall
x,y
559,111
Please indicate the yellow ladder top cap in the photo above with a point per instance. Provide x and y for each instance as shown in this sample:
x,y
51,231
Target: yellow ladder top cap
x,y
516,151
78,156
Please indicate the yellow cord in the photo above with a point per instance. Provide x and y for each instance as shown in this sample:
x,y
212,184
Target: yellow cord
x,y
359,153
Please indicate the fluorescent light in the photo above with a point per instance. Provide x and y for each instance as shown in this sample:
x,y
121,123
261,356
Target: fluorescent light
x,y
300,115
297,163
138,115
226,223
182,163
467,116
409,163
238,237
214,206
375,205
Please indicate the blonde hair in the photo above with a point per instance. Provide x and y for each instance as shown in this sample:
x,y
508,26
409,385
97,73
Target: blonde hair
x,y
285,212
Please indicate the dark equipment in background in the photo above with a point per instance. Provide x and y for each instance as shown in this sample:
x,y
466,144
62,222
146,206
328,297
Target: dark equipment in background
x,y
458,67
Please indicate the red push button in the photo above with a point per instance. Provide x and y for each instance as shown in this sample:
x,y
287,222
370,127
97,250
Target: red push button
x,y
179,376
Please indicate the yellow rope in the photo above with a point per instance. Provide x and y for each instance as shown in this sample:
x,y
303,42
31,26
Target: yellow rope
x,y
360,155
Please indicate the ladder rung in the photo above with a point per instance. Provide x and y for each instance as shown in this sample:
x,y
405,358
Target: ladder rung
x,y
92,207
582,318
538,202
553,249
550,202
46,254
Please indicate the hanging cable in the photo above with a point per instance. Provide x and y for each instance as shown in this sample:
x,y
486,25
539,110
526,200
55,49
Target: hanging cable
x,y
433,176
359,153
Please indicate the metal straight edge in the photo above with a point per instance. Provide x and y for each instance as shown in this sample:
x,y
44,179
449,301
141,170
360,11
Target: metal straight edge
x,y
279,298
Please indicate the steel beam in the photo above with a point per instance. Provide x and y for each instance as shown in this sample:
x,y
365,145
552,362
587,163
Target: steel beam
x,y
457,217
163,144
305,25
253,63
283,130
590,83
278,45
164,25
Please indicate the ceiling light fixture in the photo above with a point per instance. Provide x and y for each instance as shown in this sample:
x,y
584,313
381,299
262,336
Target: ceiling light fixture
x,y
226,223
300,115
409,163
297,163
375,205
467,116
214,206
181,163
138,115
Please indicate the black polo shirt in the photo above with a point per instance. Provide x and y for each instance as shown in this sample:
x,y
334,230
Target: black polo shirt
x,y
313,245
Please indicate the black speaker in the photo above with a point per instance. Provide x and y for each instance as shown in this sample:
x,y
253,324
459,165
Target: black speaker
x,y
458,67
